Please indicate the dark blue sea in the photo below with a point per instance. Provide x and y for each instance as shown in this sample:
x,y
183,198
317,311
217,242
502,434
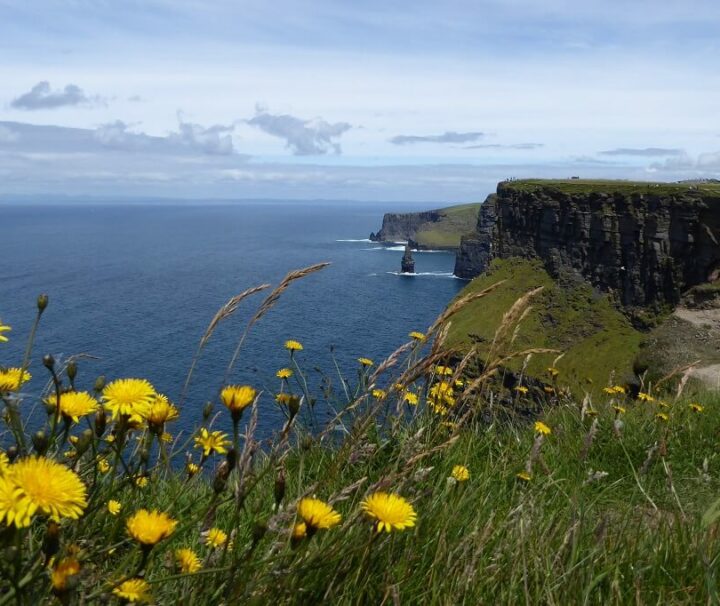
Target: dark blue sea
x,y
134,286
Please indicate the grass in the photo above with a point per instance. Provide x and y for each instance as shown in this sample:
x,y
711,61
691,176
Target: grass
x,y
584,186
456,221
598,341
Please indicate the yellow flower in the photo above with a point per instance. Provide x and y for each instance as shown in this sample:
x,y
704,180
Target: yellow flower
x,y
292,346
614,390
41,485
4,328
644,397
417,336
523,475
317,514
192,468
133,590
75,404
695,407
460,473
444,370
442,393
366,362
379,394
187,560
552,371
541,428
141,481
591,412
619,409
390,511
662,404
166,437
114,507
237,397
62,571
212,442
4,463
215,538
12,379
150,527
284,373
661,416
411,398
129,397
521,389
161,411
299,531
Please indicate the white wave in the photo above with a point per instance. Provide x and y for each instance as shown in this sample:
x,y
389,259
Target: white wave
x,y
401,248
436,274
351,240
393,248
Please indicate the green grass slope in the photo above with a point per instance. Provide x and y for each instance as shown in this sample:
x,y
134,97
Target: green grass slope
x,y
598,340
609,186
456,222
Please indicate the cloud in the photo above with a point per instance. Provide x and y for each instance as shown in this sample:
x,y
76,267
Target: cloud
x,y
646,152
215,139
446,137
707,164
41,96
509,146
303,137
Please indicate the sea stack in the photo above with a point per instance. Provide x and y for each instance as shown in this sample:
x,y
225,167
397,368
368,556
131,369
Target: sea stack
x,y
407,265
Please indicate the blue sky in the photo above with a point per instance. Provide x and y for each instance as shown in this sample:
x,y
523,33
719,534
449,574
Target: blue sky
x,y
332,99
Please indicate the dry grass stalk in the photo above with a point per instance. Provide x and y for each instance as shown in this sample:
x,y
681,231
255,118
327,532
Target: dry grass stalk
x,y
510,319
459,304
589,439
675,371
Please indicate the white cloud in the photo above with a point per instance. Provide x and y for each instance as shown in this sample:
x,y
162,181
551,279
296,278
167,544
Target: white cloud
x,y
41,96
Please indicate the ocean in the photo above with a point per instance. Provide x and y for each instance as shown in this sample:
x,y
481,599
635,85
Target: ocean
x,y
133,287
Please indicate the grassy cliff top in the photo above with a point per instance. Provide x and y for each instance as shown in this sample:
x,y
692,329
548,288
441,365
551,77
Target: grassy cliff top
x,y
455,222
583,186
598,341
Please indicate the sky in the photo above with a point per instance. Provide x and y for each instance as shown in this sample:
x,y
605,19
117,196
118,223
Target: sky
x,y
335,99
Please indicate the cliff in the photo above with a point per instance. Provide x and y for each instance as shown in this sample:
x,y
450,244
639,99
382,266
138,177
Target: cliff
x,y
644,243
433,229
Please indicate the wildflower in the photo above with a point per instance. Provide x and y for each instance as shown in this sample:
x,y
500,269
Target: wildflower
x,y
442,392
644,397
451,425
4,328
192,469
12,379
542,429
215,538
210,442
459,383
417,336
444,370
114,507
150,527
552,371
63,570
379,394
187,560
160,412
523,475
411,398
166,437
695,407
283,398
238,397
317,514
284,373
41,485
74,404
130,398
390,511
299,531
293,346
133,590
141,481
4,463
521,389
619,409
549,390
365,362
661,416
460,473
662,404
591,412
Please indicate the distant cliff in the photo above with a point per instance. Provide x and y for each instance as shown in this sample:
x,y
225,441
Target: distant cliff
x,y
644,243
436,229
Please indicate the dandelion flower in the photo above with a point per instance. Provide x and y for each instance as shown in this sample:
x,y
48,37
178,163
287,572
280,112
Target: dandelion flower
x,y
317,514
460,473
133,590
542,429
695,407
661,416
390,511
238,397
45,486
552,371
75,404
284,373
63,570
215,538
379,394
299,531
4,328
187,560
523,475
619,409
366,362
192,468
12,379
11,510
444,370
417,336
644,397
150,527
521,389
411,398
114,507
4,463
130,398
161,411
292,346
141,481
210,442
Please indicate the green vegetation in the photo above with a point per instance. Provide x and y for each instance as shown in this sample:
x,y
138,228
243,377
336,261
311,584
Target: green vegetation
x,y
583,186
598,340
456,222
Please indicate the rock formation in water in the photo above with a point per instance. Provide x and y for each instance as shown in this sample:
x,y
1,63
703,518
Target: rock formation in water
x,y
644,243
407,265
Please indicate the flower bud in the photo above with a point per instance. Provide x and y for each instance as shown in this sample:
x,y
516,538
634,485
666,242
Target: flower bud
x,y
48,361
42,303
258,532
40,442
71,370
221,477
51,541
207,411
99,383
12,453
279,488
144,455
84,442
100,422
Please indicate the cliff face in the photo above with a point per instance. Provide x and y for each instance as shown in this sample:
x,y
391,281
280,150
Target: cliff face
x,y
401,227
645,243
